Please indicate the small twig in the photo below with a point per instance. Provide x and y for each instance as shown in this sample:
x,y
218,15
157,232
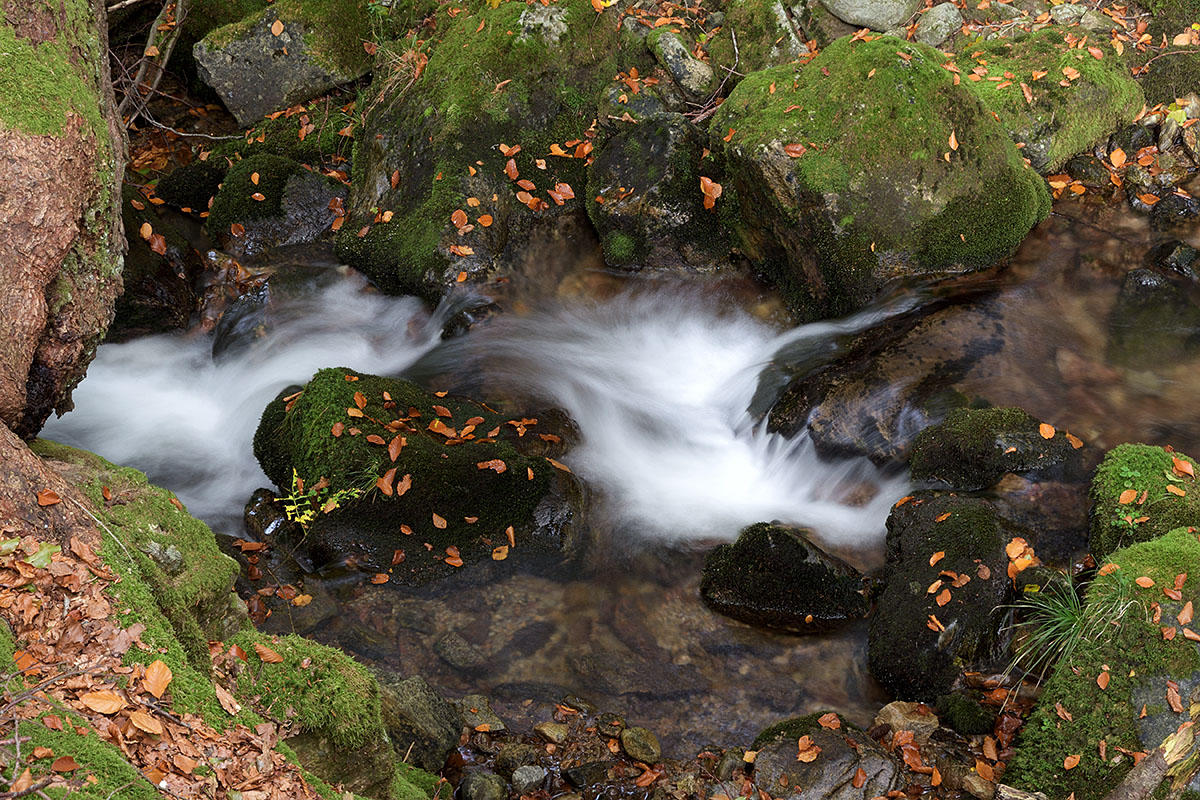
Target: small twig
x,y
36,788
105,528
118,789
122,4
159,61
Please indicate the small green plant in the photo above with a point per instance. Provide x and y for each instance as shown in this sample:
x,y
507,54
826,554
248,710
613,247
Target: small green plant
x,y
1054,620
303,505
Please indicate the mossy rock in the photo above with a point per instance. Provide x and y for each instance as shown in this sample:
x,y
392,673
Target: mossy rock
x,y
159,294
872,198
847,755
662,222
194,185
1174,75
975,447
965,715
1154,322
1139,661
912,656
1062,121
469,482
765,34
533,77
1140,469
293,209
775,577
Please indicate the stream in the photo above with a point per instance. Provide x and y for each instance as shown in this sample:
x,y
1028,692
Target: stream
x,y
666,379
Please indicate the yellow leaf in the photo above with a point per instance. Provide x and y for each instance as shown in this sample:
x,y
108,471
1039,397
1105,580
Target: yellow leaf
x,y
143,721
103,702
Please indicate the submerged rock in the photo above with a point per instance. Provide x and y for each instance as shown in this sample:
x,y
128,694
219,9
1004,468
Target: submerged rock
x,y
420,722
974,448
1155,321
844,750
938,614
775,577
843,181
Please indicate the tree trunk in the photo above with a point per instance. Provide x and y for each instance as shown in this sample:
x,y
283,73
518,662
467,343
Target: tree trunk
x,y
62,156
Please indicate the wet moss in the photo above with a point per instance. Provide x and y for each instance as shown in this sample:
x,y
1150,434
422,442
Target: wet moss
x,y
792,728
235,202
1068,119
965,715
1151,510
193,185
852,202
1135,654
1174,75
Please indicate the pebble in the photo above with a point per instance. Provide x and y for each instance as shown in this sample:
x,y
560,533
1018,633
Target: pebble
x,y
528,778
553,732
483,786
641,745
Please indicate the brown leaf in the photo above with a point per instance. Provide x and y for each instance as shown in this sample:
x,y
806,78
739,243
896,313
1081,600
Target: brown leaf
x,y
943,597
953,141
1126,497
1071,761
1175,490
103,702
337,429
1181,467
277,27
395,446
500,553
439,522
795,150
943,517
48,497
1144,581
807,751
379,577
985,770
157,678
495,464
227,701
1173,698
143,721
830,721
1117,157
1102,680
1185,616
384,482
1046,430
860,778
64,764
267,654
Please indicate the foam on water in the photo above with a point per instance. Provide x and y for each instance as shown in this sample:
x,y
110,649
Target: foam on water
x,y
660,384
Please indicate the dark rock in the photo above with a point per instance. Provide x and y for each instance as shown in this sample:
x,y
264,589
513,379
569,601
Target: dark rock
x,y
1174,211
693,76
974,448
662,223
901,715
616,673
528,778
584,775
909,653
1089,170
459,653
529,690
482,786
1174,258
965,714
641,745
609,725
193,185
1155,321
831,775
477,711
515,755
256,71
1131,139
419,718
775,577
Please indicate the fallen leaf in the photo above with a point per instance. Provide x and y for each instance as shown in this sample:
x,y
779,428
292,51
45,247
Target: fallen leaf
x,y
860,778
1102,680
143,721
936,557
267,654
807,751
48,497
829,720
1071,762
943,597
1173,698
500,553
1046,430
1181,467
157,678
985,770
1126,497
277,27
1185,616
1117,157
496,465
64,764
1074,441
227,701
943,517
1144,582
379,577
103,702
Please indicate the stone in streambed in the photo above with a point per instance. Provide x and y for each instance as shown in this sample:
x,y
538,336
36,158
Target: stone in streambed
x,y
477,713
775,577
878,15
843,751
641,745
483,786
528,778
553,732
420,722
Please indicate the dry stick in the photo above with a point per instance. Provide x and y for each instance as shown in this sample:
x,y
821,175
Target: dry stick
x,y
1144,778
737,57
96,519
158,62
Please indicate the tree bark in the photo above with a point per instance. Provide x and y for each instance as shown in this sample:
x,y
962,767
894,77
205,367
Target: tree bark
x,y
62,156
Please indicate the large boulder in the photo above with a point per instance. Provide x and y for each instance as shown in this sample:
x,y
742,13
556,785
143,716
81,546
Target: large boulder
x,y
1054,121
465,161
775,577
290,52
878,15
403,482
1140,492
1111,698
871,164
653,215
938,614
61,164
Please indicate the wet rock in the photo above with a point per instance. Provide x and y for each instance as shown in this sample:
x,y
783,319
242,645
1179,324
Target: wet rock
x,y
584,775
909,653
459,653
192,185
417,717
974,448
1088,170
528,778
515,755
775,577
965,715
616,673
609,726
693,76
159,295
294,209
856,210
978,786
938,24
529,690
1155,321
1174,211
901,715
256,71
732,759
435,487
878,15
1168,133
553,732
641,745
483,786
1175,259
1131,139
661,223
477,712
832,773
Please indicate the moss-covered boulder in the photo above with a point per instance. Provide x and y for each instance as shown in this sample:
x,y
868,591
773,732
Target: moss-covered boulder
x,y
465,160
653,214
766,37
975,447
1140,649
1055,121
844,753
159,275
945,578
775,577
1140,492
268,201
426,483
848,182
290,52
1154,322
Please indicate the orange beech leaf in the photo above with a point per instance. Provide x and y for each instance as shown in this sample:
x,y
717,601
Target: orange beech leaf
x,y
936,557
485,220
1185,616
67,764
807,751
48,497
143,721
1102,680
985,770
1071,761
942,517
439,522
1126,497
403,486
267,654
1181,467
1175,490
158,677
1046,430
795,150
277,27
1173,698
1074,441
103,702
384,482
1117,157
830,721
1144,582
495,465
379,577
943,597
860,778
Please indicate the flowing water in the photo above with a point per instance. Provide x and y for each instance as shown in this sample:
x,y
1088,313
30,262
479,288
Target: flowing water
x,y
664,379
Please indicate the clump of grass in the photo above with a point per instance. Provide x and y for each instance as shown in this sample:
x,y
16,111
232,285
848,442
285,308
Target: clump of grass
x,y
1053,621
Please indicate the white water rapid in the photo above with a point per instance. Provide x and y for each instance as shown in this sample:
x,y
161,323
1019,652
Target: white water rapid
x,y
660,384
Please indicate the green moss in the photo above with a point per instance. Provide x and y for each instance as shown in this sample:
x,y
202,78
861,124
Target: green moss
x,y
869,142
1176,14
1135,655
334,31
96,756
792,728
965,715
620,248
1070,119
764,39
235,201
1172,76
1141,469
